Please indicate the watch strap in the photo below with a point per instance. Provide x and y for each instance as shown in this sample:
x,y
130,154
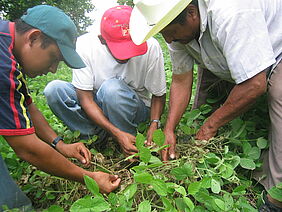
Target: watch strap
x,y
55,141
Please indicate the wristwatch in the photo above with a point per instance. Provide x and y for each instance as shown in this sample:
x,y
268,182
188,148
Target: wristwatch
x,y
55,141
157,121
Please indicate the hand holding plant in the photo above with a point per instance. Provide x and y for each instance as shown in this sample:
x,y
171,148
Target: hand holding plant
x,y
75,150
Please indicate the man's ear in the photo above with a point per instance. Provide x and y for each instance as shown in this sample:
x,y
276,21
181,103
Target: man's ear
x,y
33,36
193,11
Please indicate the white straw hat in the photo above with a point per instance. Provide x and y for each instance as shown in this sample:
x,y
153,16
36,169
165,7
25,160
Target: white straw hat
x,y
151,16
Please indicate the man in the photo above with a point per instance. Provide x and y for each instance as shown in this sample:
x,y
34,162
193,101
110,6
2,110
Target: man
x,y
32,46
111,95
237,41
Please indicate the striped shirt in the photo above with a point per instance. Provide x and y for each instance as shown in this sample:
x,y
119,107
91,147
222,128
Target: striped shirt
x,y
14,95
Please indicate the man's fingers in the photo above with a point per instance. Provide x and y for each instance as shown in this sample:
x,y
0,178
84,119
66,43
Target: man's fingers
x,y
172,152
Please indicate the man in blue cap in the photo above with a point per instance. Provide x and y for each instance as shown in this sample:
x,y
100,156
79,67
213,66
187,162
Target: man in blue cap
x,y
34,45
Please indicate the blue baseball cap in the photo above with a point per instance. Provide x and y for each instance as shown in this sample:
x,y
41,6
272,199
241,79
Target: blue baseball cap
x,y
57,25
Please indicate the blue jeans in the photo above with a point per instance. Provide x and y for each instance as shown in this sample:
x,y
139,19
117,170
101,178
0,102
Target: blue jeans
x,y
10,194
119,103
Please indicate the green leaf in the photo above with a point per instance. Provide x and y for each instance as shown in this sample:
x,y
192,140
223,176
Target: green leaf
x,y
167,204
144,206
229,202
215,186
130,191
76,134
91,185
180,204
226,170
193,188
235,161
193,115
239,190
189,203
160,187
254,153
143,178
219,203
88,204
159,137
247,163
140,139
206,182
188,130
262,143
182,172
276,192
145,154
113,199
181,190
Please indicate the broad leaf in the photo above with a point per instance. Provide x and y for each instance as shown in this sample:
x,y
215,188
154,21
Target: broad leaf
x,y
145,154
276,192
160,187
143,178
144,206
182,172
189,203
215,186
159,137
88,204
262,143
91,185
130,191
140,140
193,188
247,163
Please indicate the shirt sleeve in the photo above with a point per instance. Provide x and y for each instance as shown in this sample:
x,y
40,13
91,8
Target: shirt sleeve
x,y
155,80
245,43
181,60
84,78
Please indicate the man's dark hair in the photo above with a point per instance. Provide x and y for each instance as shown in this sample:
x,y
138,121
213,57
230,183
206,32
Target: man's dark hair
x,y
22,27
181,18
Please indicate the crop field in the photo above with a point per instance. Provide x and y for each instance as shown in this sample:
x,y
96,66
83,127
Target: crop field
x,y
214,175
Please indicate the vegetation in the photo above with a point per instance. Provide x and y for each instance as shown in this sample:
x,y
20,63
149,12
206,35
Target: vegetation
x,y
213,175
11,9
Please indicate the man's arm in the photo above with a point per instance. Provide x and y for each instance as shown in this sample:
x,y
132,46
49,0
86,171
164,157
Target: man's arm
x,y
95,114
47,134
241,97
157,107
31,149
180,94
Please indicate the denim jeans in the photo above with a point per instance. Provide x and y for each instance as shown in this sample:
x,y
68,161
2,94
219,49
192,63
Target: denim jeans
x,y
10,194
119,103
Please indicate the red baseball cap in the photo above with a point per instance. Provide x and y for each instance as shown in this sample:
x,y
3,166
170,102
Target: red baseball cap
x,y
115,30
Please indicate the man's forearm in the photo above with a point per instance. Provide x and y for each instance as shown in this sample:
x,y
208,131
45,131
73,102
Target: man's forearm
x,y
157,106
180,94
44,157
241,97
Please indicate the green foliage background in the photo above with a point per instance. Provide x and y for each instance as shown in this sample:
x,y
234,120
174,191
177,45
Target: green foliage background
x,y
11,9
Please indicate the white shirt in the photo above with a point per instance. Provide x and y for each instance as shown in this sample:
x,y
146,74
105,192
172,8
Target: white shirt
x,y
238,39
144,74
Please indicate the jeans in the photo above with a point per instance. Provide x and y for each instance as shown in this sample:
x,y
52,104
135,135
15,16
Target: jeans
x,y
10,194
119,103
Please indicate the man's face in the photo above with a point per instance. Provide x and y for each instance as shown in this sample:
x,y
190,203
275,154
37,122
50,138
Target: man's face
x,y
37,61
179,33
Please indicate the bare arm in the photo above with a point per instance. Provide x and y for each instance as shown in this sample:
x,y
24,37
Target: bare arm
x,y
44,157
157,107
47,134
95,114
180,94
241,97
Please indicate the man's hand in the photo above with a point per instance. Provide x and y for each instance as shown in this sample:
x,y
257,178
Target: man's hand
x,y
151,130
106,182
206,132
169,153
126,142
76,150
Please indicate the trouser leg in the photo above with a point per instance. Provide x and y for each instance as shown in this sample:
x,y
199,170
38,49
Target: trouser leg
x,y
10,194
210,86
62,100
273,158
121,105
